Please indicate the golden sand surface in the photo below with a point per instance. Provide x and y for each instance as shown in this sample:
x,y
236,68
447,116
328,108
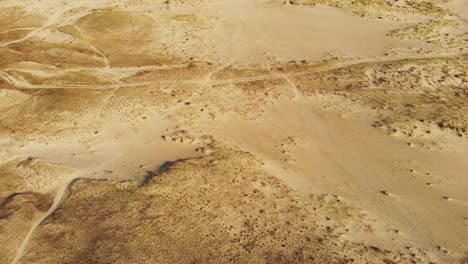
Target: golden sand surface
x,y
222,131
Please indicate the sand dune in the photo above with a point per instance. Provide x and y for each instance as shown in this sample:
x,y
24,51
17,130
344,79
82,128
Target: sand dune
x,y
252,131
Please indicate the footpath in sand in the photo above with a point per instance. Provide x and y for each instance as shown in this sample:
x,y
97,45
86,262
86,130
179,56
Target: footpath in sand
x,y
188,131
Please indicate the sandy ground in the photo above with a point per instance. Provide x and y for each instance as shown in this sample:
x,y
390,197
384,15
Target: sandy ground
x,y
189,131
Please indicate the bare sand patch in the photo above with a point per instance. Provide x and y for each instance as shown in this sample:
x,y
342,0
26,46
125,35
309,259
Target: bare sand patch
x,y
258,31
118,151
318,152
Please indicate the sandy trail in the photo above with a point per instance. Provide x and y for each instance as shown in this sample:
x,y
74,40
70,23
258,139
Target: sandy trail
x,y
51,20
118,73
60,192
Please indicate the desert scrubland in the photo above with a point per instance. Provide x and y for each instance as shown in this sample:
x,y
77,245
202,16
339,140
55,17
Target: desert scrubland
x,y
248,131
